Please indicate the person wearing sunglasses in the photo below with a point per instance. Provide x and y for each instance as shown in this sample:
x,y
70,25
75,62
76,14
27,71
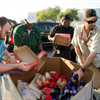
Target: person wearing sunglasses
x,y
86,41
5,27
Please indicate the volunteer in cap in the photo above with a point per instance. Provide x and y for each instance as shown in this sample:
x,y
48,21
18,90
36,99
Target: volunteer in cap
x,y
86,40
5,27
64,28
28,34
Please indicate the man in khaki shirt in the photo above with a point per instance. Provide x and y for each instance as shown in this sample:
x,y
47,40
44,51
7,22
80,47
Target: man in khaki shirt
x,y
86,41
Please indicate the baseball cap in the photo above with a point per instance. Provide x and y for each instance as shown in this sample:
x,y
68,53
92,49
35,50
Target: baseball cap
x,y
67,17
30,17
90,14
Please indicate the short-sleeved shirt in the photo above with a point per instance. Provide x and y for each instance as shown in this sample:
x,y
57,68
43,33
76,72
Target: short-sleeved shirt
x,y
22,37
2,50
60,29
92,45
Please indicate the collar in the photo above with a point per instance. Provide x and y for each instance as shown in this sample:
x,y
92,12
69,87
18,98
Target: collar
x,y
92,31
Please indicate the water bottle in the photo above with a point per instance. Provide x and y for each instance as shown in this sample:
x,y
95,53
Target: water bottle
x,y
74,79
81,85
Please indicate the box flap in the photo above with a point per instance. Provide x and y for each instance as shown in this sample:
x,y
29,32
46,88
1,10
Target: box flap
x,y
62,39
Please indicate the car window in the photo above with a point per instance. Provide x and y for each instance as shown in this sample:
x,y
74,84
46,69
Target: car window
x,y
45,27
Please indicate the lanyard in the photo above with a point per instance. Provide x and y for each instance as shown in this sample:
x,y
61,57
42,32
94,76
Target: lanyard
x,y
85,42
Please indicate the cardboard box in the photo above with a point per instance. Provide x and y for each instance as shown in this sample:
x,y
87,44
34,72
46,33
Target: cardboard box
x,y
25,54
62,66
97,76
62,39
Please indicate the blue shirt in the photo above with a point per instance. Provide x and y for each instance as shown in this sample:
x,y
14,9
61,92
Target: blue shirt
x,y
2,50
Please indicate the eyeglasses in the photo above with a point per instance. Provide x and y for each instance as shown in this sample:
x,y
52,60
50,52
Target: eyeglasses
x,y
91,22
7,32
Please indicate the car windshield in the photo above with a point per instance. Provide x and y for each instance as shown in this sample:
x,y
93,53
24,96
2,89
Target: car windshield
x,y
45,27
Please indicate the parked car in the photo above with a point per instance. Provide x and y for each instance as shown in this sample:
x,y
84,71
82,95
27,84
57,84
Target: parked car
x,y
45,28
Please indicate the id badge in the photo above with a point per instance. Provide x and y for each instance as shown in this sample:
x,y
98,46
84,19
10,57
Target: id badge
x,y
58,51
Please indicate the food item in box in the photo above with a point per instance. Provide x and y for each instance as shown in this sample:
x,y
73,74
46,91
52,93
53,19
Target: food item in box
x,y
81,85
73,87
33,85
63,76
74,91
63,83
53,84
67,93
46,97
54,74
59,81
57,91
46,90
27,94
74,79
48,76
45,82
39,83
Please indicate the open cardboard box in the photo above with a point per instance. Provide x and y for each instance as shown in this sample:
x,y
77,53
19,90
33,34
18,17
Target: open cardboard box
x,y
62,39
25,54
62,66
97,76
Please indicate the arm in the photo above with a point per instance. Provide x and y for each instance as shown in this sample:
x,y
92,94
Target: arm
x,y
51,38
9,58
85,65
79,54
40,48
7,67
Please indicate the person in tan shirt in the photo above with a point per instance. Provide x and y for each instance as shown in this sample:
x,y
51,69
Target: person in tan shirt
x,y
86,41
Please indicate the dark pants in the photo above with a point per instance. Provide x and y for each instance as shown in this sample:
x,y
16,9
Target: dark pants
x,y
65,54
73,56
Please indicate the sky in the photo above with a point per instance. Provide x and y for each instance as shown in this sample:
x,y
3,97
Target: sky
x,y
16,9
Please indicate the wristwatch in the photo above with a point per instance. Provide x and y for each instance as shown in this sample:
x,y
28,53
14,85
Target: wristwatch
x,y
83,70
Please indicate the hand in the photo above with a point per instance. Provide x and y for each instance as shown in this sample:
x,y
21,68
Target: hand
x,y
80,74
12,60
53,39
46,54
24,66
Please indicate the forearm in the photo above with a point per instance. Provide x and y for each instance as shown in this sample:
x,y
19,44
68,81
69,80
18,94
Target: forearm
x,y
79,54
7,67
7,54
51,38
89,60
40,48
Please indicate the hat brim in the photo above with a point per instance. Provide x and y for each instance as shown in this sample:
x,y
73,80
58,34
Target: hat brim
x,y
91,18
32,21
69,19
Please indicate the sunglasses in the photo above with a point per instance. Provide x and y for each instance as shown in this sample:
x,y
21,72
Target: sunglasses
x,y
91,22
7,32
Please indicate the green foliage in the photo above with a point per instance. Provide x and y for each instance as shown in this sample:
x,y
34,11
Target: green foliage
x,y
49,14
73,13
55,14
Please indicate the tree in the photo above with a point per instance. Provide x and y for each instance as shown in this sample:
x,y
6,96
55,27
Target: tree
x,y
49,14
73,13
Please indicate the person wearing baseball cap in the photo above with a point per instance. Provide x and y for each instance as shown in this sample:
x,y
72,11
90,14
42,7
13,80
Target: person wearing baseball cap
x,y
63,28
28,34
86,41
